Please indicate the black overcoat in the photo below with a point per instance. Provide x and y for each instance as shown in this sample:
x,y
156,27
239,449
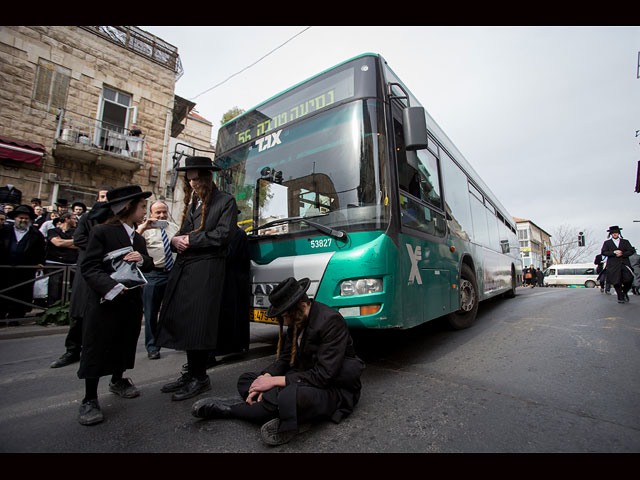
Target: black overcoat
x,y
32,252
110,328
191,305
233,327
325,359
618,268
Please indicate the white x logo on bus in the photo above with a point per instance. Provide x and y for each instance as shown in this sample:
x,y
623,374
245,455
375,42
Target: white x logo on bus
x,y
415,257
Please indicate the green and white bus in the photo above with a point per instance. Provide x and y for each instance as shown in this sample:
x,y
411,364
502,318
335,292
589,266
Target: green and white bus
x,y
346,180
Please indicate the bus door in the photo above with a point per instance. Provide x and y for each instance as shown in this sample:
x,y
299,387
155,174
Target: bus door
x,y
424,277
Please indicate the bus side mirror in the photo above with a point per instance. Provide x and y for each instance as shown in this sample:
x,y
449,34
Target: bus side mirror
x,y
414,125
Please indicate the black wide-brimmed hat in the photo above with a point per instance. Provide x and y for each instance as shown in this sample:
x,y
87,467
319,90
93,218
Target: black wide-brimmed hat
x,y
125,194
614,229
286,294
28,209
79,204
62,202
198,163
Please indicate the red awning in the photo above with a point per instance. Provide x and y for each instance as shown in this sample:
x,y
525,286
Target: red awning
x,y
21,151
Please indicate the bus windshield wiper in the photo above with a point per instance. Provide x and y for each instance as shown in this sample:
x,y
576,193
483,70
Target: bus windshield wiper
x,y
339,234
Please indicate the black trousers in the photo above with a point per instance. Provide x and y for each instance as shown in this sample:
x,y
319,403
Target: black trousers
x,y
622,289
293,404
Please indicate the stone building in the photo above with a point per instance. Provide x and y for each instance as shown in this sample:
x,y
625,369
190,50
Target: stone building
x,y
534,243
87,107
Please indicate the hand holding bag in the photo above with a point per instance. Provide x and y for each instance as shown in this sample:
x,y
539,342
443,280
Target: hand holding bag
x,y
126,273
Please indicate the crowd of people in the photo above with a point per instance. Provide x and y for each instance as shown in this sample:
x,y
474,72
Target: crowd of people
x,y
532,277
189,283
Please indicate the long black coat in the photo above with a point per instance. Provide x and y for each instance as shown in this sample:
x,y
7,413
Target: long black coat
x,y
192,301
618,268
325,359
110,329
32,246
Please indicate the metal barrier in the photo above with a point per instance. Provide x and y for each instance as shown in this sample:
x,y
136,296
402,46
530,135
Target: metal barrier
x,y
51,270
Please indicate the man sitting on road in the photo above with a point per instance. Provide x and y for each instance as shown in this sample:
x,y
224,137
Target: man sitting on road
x,y
316,373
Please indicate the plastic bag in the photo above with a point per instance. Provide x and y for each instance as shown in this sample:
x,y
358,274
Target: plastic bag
x,y
126,273
41,286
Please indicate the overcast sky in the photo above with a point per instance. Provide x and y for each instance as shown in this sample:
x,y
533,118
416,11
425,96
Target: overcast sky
x,y
546,115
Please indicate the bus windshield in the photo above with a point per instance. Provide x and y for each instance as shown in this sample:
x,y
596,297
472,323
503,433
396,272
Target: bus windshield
x,y
324,166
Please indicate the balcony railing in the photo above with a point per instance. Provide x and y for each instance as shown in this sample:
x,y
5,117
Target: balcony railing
x,y
93,141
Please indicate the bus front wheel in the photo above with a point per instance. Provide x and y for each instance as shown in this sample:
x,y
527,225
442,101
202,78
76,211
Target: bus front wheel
x,y
469,299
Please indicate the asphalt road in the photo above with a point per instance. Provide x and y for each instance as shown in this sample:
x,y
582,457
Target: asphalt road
x,y
553,370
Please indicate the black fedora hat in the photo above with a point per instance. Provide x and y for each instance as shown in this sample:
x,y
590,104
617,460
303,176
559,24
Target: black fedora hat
x,y
125,194
79,204
28,209
198,163
62,202
286,294
614,229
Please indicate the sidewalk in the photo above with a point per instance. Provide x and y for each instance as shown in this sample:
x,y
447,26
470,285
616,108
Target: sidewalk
x,y
29,328
261,333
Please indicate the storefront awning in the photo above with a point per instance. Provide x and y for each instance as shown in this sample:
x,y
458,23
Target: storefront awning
x,y
21,151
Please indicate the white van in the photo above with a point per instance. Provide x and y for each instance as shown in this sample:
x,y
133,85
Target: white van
x,y
579,274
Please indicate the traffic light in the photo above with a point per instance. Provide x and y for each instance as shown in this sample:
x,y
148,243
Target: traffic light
x,y
548,255
581,239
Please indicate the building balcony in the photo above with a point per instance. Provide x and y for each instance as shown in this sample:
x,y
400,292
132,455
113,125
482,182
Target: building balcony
x,y
98,143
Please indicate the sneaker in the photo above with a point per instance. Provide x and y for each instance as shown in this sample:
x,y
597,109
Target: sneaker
x,y
66,359
90,413
153,355
271,436
124,388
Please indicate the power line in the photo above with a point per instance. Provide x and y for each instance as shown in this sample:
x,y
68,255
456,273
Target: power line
x,y
249,66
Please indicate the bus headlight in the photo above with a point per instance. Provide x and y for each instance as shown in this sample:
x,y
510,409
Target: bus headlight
x,y
360,286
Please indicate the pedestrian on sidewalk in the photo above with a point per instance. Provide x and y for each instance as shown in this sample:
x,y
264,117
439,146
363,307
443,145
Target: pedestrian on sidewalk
x,y
20,244
73,342
157,231
112,319
619,272
191,307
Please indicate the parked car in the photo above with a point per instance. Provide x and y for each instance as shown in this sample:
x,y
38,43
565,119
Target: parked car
x,y
582,274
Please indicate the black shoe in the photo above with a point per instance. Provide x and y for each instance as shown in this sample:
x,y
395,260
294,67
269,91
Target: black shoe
x,y
191,389
124,388
177,385
66,359
90,413
154,355
271,436
212,408
626,298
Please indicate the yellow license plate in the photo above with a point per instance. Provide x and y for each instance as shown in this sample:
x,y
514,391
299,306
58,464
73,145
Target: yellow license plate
x,y
260,315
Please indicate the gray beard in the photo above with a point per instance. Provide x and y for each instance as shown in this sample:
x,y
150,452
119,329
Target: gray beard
x,y
18,226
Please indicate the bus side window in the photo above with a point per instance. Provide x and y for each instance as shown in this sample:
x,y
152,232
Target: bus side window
x,y
414,179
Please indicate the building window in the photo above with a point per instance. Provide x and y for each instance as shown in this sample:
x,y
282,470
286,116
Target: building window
x,y
51,85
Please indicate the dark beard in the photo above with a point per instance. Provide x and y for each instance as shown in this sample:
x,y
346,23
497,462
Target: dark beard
x,y
298,316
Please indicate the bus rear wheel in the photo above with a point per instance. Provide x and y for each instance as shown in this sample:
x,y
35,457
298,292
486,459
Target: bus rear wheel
x,y
469,299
